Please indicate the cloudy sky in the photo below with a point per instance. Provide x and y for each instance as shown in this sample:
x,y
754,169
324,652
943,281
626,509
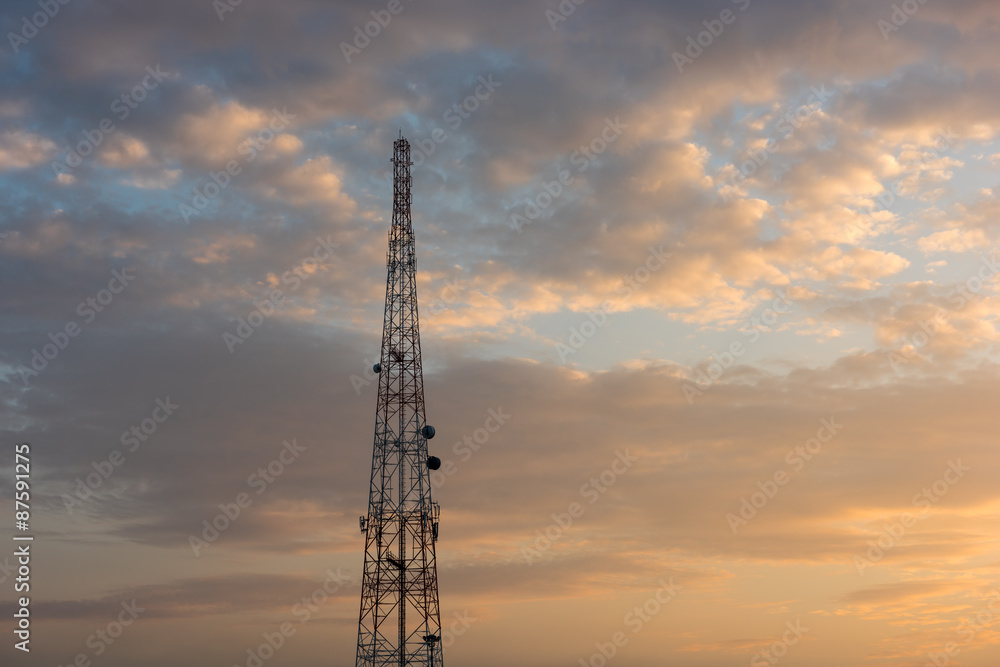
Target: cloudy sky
x,y
719,279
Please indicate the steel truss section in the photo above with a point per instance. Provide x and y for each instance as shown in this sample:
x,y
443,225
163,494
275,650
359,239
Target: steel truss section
x,y
400,623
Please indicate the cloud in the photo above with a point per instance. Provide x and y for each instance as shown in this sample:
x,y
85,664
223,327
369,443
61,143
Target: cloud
x,y
953,240
21,150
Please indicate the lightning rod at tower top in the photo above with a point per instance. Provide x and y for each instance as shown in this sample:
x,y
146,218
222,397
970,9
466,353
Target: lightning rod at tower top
x,y
400,623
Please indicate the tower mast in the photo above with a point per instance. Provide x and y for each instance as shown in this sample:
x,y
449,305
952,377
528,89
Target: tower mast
x,y
400,623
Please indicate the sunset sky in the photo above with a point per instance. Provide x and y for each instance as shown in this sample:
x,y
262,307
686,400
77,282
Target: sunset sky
x,y
709,309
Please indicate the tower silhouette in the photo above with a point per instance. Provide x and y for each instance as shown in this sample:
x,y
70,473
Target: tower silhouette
x,y
400,621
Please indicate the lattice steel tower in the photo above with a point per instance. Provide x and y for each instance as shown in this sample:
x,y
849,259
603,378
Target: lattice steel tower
x,y
400,622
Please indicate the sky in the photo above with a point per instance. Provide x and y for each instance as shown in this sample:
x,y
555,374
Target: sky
x,y
708,308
